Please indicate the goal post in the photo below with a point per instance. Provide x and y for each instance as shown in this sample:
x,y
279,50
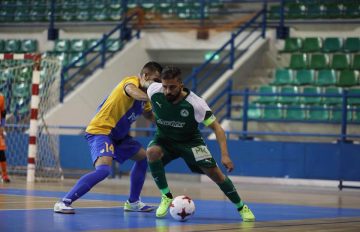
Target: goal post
x,y
30,84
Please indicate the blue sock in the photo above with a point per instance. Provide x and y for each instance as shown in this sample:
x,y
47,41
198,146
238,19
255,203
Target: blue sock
x,y
137,178
86,182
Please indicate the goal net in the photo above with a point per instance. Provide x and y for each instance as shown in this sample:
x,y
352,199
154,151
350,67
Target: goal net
x,y
31,87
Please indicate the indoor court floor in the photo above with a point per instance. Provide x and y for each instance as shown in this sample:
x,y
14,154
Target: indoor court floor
x,y
277,207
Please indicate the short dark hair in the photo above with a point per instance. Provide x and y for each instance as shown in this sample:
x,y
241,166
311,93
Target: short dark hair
x,y
152,67
171,72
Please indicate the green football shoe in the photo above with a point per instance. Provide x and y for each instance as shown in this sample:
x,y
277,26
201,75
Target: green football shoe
x,y
164,206
246,214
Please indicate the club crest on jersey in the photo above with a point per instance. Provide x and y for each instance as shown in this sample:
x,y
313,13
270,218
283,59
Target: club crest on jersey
x,y
184,113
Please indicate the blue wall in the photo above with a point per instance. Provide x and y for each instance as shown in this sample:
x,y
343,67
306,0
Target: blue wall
x,y
251,158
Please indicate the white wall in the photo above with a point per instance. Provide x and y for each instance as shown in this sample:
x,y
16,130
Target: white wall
x,y
80,105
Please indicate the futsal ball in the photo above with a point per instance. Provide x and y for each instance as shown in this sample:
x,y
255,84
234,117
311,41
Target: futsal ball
x,y
182,208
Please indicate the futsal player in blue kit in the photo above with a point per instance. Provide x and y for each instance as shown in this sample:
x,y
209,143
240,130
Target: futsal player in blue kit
x,y
108,137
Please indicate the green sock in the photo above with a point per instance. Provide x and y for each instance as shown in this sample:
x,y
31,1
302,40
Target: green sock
x,y
158,173
229,190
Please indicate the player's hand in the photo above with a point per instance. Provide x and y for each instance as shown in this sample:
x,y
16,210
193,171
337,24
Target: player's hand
x,y
228,164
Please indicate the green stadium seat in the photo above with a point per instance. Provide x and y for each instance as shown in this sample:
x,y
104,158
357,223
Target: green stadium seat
x,y
356,114
332,45
298,61
62,45
336,114
340,61
356,62
314,10
83,4
267,89
289,99
351,10
115,4
335,100
333,10
318,113
295,113
283,77
21,15
78,45
273,112
19,105
82,15
92,42
99,14
292,44
319,61
348,78
21,90
38,14
326,77
304,77
115,14
4,83
352,44
312,44
75,56
12,46
113,45
64,58
148,5
274,12
254,111
311,99
2,45
67,15
99,4
295,11
354,100
29,45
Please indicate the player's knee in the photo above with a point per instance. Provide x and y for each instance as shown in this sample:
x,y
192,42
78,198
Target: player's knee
x,y
142,164
154,153
103,171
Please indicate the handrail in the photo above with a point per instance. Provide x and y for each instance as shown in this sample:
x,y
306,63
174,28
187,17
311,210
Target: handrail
x,y
229,52
246,94
125,35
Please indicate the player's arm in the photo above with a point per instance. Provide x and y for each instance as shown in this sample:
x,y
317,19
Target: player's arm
x,y
149,115
221,139
133,91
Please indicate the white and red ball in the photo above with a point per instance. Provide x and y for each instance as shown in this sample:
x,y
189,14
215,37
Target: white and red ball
x,y
182,208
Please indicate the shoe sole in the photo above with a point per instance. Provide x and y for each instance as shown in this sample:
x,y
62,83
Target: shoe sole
x,y
162,215
249,220
65,211
145,211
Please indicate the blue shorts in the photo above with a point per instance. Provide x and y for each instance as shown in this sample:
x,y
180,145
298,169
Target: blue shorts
x,y
103,145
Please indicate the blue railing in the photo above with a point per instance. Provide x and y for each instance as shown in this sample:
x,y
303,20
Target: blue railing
x,y
224,110
96,56
203,76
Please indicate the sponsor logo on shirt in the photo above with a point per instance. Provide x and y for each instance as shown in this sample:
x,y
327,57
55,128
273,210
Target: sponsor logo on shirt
x,y
176,124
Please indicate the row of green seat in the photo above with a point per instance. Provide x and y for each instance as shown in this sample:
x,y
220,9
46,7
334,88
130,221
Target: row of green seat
x,y
318,44
292,95
324,61
81,45
82,10
323,77
18,45
302,113
316,10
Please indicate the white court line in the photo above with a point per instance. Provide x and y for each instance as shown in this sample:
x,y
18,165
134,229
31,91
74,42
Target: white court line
x,y
86,207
